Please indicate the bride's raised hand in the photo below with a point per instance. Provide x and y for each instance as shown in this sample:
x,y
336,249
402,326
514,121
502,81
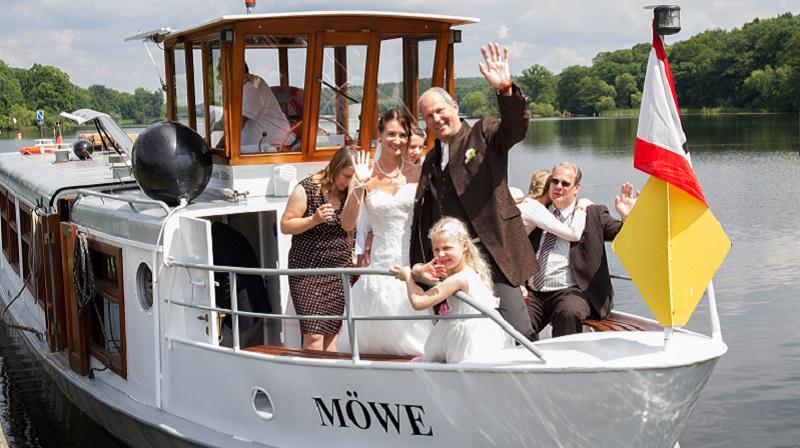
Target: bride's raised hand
x,y
363,167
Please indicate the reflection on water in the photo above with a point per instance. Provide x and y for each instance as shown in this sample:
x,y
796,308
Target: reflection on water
x,y
33,410
748,167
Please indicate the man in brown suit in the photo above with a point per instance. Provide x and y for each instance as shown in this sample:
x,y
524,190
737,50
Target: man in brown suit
x,y
466,176
573,282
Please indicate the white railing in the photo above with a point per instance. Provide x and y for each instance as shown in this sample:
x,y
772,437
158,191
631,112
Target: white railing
x,y
349,317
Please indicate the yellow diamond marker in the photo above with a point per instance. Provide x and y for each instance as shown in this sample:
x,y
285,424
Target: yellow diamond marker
x,y
671,245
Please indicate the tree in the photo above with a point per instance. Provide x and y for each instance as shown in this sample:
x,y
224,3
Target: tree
x,y
538,83
475,104
770,86
636,100
625,85
567,89
591,95
48,88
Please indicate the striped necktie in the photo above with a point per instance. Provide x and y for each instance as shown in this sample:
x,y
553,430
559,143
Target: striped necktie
x,y
537,281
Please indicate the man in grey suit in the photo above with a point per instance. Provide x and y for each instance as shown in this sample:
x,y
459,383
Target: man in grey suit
x,y
465,176
573,282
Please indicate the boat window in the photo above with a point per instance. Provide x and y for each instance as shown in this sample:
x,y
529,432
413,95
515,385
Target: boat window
x,y
144,286
106,312
199,97
426,56
214,97
390,76
181,88
341,91
272,93
35,284
9,229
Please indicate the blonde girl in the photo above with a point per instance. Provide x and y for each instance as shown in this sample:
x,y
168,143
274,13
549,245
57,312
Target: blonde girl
x,y
464,269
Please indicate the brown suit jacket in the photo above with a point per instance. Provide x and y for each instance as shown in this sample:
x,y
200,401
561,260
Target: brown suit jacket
x,y
482,187
587,258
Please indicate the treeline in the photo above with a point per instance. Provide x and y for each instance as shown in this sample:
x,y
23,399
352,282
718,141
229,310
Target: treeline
x,y
23,91
755,67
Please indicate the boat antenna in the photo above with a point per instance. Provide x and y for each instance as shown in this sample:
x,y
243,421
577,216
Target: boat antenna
x,y
155,67
250,6
155,36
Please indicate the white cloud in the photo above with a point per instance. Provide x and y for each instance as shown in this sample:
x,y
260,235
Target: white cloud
x,y
502,32
85,37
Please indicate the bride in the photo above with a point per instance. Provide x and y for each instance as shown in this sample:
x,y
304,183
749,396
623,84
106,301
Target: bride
x,y
386,194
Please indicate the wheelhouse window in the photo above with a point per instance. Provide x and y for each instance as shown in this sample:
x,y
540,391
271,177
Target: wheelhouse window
x,y
181,93
214,98
341,92
106,312
273,93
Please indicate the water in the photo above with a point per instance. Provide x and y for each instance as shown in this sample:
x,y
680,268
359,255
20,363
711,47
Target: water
x,y
748,166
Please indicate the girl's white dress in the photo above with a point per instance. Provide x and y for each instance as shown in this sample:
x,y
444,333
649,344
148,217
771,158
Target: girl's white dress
x,y
476,339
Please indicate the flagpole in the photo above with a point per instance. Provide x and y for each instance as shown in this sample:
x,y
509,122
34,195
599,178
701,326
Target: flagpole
x,y
716,330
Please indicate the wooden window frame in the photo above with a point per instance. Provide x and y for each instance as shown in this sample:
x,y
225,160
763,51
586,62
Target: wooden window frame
x,y
327,27
111,293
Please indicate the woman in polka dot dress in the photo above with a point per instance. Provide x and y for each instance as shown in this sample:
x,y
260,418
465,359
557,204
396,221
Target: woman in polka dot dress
x,y
312,217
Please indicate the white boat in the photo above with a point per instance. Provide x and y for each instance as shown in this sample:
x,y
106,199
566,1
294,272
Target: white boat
x,y
147,358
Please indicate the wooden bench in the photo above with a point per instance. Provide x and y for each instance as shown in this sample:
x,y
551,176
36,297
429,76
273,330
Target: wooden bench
x,y
622,322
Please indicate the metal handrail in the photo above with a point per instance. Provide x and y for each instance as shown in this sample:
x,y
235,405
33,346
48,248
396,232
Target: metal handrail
x,y
129,200
345,273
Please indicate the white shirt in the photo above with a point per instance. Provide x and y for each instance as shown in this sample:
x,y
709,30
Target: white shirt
x,y
264,114
557,274
534,215
445,154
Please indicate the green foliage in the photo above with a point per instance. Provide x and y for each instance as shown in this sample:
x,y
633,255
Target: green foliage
x,y
543,110
625,85
23,91
567,90
538,84
756,66
594,95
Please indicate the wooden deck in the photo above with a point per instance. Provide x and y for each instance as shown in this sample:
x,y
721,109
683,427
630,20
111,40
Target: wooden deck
x,y
614,322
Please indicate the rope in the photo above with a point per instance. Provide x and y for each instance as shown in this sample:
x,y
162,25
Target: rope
x,y
82,273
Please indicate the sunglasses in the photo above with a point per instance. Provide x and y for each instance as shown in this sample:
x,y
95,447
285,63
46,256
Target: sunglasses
x,y
563,183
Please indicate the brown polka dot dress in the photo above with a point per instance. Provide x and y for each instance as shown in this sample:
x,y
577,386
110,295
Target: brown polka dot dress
x,y
325,245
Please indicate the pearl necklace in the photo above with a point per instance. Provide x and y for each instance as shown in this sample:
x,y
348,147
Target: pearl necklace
x,y
402,166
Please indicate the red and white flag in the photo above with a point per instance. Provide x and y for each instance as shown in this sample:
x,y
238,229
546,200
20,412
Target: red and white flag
x,y
660,141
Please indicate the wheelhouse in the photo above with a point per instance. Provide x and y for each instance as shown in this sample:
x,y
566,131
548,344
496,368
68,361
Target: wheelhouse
x,y
332,73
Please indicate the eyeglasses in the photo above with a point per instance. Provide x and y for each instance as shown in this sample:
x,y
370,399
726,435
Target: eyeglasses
x,y
563,183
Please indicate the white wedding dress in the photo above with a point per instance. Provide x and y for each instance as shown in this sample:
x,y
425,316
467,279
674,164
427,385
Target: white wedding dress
x,y
379,295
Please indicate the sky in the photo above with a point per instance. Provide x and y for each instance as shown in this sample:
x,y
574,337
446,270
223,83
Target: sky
x,y
84,38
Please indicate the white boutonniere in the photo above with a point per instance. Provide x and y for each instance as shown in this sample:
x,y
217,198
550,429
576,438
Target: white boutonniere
x,y
469,155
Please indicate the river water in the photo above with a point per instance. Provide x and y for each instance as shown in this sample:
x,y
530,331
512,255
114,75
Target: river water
x,y
749,167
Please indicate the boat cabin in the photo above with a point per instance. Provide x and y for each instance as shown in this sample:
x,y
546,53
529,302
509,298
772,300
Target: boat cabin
x,y
330,73
328,76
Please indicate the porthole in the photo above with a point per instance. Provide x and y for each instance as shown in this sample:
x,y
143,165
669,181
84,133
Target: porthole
x,y
262,404
144,286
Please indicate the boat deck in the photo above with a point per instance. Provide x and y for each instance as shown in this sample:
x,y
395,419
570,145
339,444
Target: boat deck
x,y
614,322
52,176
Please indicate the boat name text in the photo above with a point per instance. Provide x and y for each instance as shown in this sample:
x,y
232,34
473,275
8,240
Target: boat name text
x,y
352,412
